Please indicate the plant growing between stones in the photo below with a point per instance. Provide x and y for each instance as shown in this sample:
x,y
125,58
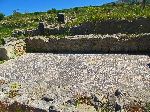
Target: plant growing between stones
x,y
93,101
2,61
2,16
14,90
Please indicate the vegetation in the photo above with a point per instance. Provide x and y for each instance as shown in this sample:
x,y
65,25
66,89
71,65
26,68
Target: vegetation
x,y
77,15
1,62
2,16
53,10
108,106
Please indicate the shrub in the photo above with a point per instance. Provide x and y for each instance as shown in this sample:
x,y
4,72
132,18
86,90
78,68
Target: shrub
x,y
76,9
2,16
37,13
16,13
53,10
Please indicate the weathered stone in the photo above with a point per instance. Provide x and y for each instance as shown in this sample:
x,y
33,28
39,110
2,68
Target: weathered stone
x,y
100,27
61,17
52,109
12,49
6,53
117,107
9,39
117,93
41,28
96,102
71,102
90,43
3,54
47,99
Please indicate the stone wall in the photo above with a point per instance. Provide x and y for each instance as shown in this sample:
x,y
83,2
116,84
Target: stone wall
x,y
116,43
90,43
141,25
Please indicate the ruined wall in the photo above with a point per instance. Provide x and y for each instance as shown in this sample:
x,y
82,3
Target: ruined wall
x,y
141,25
90,43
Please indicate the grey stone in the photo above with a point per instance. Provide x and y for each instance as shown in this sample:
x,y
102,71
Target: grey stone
x,y
9,39
90,43
100,27
117,93
52,109
71,102
47,99
41,28
95,102
6,53
61,17
117,107
3,54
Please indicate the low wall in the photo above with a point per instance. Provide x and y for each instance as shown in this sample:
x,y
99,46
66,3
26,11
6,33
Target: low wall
x,y
115,43
90,43
141,25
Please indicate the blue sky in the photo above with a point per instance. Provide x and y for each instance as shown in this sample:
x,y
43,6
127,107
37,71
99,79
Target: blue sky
x,y
7,6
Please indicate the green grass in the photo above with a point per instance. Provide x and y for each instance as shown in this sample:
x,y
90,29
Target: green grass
x,y
78,16
2,61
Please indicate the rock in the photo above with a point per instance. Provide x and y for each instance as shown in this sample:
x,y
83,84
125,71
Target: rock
x,y
61,18
3,53
88,43
2,81
52,109
95,99
9,39
41,28
6,53
2,96
117,107
71,102
85,108
47,99
95,102
18,46
33,70
117,93
12,49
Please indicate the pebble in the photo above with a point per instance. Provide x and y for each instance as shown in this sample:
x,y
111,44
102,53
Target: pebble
x,y
62,76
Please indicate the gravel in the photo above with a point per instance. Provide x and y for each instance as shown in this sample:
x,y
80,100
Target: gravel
x,y
61,76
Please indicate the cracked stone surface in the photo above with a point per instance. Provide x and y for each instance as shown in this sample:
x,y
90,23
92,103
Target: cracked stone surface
x,y
61,76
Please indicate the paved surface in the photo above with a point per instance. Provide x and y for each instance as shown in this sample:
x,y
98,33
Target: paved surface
x,y
62,75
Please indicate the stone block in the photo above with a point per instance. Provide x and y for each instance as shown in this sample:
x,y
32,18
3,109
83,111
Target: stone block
x,y
3,53
61,17
6,53
41,28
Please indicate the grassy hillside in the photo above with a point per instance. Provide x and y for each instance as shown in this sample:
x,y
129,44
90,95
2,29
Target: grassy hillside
x,y
77,15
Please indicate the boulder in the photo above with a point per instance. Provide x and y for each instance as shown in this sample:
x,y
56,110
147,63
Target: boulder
x,y
6,53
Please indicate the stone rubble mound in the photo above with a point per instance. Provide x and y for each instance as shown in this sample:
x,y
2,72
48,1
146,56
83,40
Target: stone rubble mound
x,y
76,82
